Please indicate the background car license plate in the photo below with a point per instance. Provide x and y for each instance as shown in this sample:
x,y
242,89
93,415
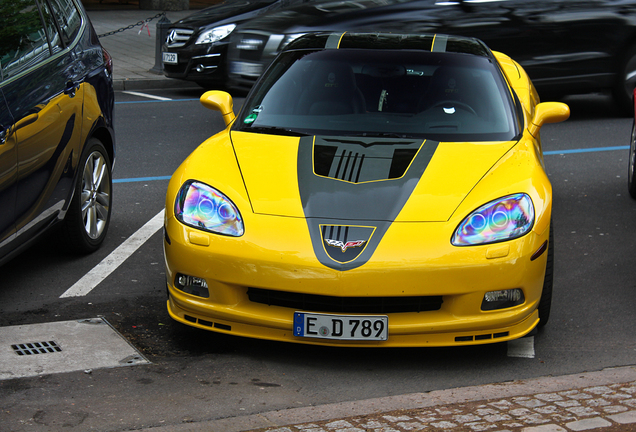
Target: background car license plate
x,y
345,327
170,58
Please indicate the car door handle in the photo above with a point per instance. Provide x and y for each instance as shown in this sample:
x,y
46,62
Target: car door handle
x,y
30,119
71,88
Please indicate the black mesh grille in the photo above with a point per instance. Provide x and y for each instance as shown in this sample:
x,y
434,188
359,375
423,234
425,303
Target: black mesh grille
x,y
319,303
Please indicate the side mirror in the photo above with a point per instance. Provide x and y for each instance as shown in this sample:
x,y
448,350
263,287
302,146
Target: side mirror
x,y
548,112
221,101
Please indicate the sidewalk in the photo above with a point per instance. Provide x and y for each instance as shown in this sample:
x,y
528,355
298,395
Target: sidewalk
x,y
133,50
593,401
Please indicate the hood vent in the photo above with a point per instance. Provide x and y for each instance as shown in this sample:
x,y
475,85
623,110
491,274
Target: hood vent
x,y
348,165
357,162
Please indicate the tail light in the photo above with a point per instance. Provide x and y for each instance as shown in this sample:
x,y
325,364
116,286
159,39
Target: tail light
x,y
108,62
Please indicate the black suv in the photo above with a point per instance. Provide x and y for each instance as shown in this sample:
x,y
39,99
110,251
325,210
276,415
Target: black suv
x,y
57,144
196,46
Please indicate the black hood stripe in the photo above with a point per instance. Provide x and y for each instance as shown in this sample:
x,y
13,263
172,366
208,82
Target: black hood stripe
x,y
366,208
333,41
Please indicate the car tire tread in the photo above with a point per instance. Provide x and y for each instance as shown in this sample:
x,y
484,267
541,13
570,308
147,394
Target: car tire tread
x,y
545,302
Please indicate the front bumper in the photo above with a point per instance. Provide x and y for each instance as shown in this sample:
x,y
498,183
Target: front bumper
x,y
400,267
199,63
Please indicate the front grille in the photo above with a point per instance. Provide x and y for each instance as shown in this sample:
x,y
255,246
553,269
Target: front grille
x,y
368,305
178,37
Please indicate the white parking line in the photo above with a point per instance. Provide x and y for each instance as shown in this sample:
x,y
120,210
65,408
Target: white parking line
x,y
523,347
109,264
147,95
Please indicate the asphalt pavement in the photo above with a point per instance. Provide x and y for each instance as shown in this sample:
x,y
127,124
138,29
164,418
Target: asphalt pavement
x,y
593,400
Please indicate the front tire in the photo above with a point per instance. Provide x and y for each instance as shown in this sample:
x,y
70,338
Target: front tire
x,y
545,303
88,216
631,174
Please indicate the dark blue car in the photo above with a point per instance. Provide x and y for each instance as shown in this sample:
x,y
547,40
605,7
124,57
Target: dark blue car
x,y
57,144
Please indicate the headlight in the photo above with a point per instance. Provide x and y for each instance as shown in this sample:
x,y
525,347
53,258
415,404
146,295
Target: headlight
x,y
215,34
201,206
503,219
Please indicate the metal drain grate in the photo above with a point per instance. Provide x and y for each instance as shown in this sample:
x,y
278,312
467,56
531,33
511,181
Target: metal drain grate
x,y
33,348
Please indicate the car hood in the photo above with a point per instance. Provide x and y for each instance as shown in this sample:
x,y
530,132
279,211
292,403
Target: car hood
x,y
332,16
226,10
361,179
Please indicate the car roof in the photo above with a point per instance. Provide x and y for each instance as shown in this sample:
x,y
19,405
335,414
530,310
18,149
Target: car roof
x,y
391,41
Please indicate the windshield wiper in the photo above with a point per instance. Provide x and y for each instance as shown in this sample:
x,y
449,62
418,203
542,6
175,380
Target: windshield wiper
x,y
381,135
274,130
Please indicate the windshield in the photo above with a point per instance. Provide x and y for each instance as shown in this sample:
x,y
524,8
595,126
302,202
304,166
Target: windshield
x,y
367,92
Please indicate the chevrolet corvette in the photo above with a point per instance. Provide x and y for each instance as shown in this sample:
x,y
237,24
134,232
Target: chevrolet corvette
x,y
375,190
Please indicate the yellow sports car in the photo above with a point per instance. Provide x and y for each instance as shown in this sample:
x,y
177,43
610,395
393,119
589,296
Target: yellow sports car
x,y
375,190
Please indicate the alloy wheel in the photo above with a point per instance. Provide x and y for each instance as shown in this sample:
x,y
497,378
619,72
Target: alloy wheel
x,y
96,195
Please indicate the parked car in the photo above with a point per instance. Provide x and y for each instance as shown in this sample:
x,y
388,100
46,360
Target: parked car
x,y
566,46
631,167
375,190
57,143
196,46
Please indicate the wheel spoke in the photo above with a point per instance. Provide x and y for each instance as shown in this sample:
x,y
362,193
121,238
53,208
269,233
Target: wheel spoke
x,y
88,175
90,223
85,201
103,199
102,210
98,172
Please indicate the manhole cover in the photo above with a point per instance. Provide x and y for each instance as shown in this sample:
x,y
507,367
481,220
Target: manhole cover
x,y
67,346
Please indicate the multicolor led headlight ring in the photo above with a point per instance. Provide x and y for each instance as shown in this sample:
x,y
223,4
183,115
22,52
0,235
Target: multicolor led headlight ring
x,y
503,219
201,206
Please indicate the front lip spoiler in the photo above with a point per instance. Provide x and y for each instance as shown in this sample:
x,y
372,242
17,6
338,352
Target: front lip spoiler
x,y
278,333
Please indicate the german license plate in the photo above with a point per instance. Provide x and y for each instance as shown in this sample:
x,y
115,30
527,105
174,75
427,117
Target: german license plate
x,y
344,327
170,58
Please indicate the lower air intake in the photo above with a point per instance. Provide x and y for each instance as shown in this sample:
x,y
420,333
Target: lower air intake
x,y
481,337
320,303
